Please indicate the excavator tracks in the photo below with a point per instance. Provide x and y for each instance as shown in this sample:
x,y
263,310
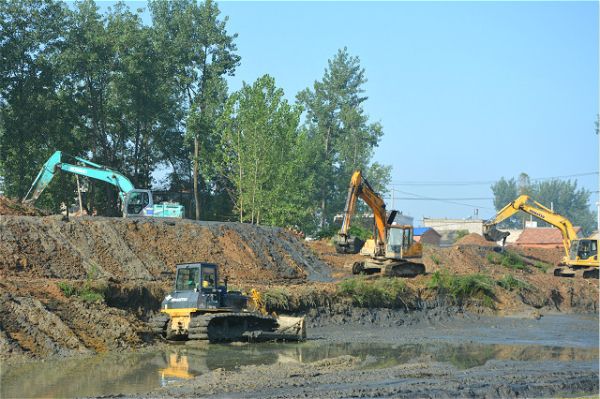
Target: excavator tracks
x,y
219,327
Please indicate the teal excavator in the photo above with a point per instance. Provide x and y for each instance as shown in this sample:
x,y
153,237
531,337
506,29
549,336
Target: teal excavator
x,y
135,201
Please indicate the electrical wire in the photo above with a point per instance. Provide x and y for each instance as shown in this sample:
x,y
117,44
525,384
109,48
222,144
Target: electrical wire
x,y
481,182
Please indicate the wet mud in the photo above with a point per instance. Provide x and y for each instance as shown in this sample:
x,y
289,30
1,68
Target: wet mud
x,y
472,357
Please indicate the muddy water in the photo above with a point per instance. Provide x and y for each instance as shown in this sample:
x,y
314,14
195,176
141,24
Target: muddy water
x,y
143,372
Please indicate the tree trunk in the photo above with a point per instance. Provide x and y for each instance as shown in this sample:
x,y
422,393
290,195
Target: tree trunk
x,y
324,190
196,194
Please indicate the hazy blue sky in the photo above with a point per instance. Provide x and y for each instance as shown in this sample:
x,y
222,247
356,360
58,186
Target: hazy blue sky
x,y
465,91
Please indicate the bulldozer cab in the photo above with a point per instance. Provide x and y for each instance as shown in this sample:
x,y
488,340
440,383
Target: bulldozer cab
x,y
196,277
583,250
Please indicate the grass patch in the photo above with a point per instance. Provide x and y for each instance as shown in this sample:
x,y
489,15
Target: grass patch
x,y
88,293
435,259
381,292
508,259
462,288
67,289
276,299
542,266
510,283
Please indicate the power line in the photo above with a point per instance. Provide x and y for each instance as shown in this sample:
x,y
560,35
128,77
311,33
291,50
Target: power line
x,y
422,197
443,199
481,182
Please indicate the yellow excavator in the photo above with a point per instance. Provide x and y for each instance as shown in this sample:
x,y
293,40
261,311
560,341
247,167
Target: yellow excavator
x,y
392,244
580,254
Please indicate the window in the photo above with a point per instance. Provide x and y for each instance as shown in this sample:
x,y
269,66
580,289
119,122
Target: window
x,y
137,201
209,277
187,279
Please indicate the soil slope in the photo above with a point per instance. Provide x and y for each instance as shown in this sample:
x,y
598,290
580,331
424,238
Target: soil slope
x,y
132,263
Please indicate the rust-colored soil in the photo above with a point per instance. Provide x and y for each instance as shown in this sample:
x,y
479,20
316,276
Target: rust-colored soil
x,y
474,239
15,208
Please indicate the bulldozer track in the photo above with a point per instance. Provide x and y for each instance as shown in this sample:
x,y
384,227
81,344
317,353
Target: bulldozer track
x,y
220,327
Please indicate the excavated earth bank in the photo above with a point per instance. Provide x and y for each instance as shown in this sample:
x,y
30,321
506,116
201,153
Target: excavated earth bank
x,y
131,262
47,263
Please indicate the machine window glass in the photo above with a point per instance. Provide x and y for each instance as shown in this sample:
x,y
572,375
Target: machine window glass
x,y
394,240
209,277
407,238
586,249
137,201
187,279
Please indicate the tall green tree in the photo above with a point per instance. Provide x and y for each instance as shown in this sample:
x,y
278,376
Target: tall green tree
x,y
335,119
562,195
34,117
265,156
200,51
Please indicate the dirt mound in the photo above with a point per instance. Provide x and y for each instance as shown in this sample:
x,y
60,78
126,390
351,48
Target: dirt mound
x,y
475,240
12,207
149,249
552,256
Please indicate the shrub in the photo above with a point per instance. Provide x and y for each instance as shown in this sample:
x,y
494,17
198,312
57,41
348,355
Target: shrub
x,y
88,294
382,292
507,259
327,232
276,298
510,283
67,289
462,288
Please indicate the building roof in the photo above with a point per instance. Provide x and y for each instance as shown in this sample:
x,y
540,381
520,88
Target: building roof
x,y
419,231
542,235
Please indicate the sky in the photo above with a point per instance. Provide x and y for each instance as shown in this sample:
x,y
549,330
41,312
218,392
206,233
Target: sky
x,y
467,92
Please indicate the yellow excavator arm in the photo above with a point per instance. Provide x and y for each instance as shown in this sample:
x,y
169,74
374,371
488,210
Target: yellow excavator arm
x,y
526,204
360,188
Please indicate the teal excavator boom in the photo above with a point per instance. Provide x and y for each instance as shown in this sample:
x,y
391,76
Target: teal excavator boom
x,y
135,202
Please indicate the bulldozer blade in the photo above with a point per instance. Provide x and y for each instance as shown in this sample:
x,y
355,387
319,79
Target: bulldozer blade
x,y
491,233
290,329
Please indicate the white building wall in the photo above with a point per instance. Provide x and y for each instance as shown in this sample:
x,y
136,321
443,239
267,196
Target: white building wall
x,y
443,225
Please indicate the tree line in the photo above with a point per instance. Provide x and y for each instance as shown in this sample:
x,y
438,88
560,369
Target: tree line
x,y
142,97
563,196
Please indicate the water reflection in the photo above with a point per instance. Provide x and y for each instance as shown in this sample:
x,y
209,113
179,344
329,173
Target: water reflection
x,y
133,373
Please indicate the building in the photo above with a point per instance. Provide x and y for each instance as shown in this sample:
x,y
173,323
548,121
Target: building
x,y
427,235
441,225
542,237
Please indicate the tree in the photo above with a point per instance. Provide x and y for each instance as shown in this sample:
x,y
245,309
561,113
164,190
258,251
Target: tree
x,y
31,37
335,119
265,156
506,191
562,195
200,51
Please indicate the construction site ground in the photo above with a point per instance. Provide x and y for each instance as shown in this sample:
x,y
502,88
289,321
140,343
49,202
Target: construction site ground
x,y
73,289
